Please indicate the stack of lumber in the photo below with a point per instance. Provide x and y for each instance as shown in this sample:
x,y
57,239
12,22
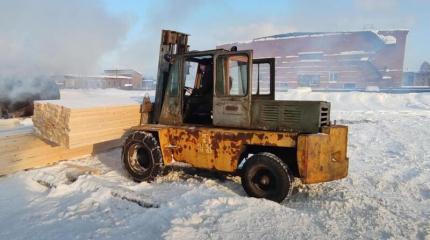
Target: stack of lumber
x,y
74,126
9,123
26,151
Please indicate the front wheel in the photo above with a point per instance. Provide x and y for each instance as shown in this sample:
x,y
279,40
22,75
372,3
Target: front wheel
x,y
142,157
266,176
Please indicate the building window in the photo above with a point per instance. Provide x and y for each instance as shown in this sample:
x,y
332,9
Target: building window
x,y
281,86
349,86
410,80
333,77
309,80
310,56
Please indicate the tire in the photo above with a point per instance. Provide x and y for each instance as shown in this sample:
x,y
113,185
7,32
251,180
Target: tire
x,y
142,157
265,175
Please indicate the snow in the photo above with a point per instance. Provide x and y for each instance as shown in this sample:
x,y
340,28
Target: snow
x,y
299,35
310,60
98,76
385,196
353,53
88,98
387,39
348,53
305,53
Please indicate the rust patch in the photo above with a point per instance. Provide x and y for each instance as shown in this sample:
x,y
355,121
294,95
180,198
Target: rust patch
x,y
260,135
193,132
215,141
214,148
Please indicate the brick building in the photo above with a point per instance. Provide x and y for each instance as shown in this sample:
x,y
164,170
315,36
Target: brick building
x,y
135,78
333,60
123,79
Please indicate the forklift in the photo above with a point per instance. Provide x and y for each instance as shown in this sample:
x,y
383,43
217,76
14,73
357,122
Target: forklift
x,y
216,110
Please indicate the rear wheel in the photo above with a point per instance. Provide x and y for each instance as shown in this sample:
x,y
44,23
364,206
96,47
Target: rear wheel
x,y
265,175
142,157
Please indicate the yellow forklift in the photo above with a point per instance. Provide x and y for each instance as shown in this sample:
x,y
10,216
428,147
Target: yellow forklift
x,y
216,110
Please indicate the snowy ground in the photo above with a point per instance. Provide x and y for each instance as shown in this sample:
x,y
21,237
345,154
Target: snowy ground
x,y
386,195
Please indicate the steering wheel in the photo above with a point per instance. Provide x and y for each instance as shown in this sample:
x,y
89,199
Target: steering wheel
x,y
188,90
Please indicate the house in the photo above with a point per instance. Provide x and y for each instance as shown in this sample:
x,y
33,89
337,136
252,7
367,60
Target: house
x,y
135,78
123,79
418,79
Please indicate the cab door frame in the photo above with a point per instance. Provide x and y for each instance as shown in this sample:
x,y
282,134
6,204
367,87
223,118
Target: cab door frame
x,y
231,110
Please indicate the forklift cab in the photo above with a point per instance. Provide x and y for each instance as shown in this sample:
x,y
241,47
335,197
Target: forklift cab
x,y
215,88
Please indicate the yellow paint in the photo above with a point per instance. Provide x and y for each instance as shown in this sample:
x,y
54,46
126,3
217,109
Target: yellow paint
x,y
320,157
213,148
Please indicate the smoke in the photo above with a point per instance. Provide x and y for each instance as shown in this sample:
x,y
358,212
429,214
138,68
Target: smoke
x,y
209,23
19,93
55,36
250,31
46,37
141,53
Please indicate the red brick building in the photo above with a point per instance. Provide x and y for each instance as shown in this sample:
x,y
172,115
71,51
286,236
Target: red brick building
x,y
333,60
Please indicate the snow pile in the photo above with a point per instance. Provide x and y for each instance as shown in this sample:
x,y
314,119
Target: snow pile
x,y
387,39
386,195
300,35
363,101
82,98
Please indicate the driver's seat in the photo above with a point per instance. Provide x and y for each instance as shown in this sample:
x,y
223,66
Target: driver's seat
x,y
198,107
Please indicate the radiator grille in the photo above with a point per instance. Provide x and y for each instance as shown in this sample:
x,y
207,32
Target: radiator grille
x,y
291,115
301,116
324,116
280,114
270,113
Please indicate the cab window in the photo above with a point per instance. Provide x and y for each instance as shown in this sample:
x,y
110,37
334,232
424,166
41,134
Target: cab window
x,y
261,78
174,80
232,75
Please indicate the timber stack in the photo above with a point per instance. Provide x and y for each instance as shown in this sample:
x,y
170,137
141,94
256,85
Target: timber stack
x,y
75,126
26,151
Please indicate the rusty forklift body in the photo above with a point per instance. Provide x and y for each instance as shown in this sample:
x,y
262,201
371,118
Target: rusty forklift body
x,y
213,109
313,158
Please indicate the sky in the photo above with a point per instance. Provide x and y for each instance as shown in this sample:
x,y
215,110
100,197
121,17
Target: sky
x,y
85,37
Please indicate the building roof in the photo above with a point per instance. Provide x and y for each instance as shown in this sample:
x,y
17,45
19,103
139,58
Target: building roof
x,y
383,36
96,76
122,71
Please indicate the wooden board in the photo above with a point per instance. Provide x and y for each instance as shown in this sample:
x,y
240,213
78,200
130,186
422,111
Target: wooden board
x,y
74,127
27,151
